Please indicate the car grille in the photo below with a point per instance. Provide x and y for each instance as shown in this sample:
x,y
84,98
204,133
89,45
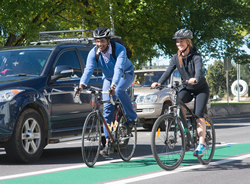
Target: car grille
x,y
138,110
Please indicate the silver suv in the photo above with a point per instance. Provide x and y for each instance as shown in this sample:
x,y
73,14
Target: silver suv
x,y
151,103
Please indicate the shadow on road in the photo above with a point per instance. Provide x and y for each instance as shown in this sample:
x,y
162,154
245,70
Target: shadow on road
x,y
71,155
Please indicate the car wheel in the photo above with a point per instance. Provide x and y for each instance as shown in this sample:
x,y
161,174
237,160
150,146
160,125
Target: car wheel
x,y
165,109
28,139
147,126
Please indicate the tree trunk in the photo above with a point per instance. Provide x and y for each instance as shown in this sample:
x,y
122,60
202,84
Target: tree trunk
x,y
10,40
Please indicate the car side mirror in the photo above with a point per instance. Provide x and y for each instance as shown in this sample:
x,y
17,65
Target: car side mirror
x,y
61,72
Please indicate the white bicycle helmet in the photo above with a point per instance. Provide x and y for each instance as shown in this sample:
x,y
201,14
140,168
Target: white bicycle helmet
x,y
101,32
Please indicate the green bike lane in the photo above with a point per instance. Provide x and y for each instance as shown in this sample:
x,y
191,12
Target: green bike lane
x,y
120,169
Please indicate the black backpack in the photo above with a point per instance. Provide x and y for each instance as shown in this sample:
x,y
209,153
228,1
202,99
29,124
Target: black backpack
x,y
112,42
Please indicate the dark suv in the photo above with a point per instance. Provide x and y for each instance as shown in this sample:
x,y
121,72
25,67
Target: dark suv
x,y
37,104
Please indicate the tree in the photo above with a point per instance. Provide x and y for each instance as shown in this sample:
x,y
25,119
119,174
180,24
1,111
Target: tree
x,y
216,78
218,25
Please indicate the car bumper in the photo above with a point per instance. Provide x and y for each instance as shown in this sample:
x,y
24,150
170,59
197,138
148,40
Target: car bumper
x,y
148,111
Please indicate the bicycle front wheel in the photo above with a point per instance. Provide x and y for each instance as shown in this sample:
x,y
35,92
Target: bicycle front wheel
x,y
91,139
126,144
168,146
209,141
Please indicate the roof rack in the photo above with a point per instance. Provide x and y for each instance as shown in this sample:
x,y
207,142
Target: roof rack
x,y
155,67
67,36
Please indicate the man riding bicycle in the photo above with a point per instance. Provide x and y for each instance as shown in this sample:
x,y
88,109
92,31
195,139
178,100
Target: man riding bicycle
x,y
118,75
189,64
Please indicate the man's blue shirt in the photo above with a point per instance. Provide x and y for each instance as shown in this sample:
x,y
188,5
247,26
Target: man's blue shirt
x,y
112,70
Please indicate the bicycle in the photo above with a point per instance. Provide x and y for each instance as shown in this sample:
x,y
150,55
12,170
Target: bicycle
x,y
92,131
167,146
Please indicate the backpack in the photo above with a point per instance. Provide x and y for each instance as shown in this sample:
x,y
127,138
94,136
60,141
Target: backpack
x,y
112,42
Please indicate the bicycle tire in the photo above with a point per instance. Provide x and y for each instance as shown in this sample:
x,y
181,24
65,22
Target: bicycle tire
x,y
167,146
210,140
126,144
91,139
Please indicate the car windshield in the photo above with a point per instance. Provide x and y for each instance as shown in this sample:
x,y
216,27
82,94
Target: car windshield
x,y
176,76
23,62
147,78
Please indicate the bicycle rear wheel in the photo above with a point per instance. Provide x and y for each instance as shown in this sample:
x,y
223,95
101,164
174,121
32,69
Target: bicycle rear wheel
x,y
167,146
91,139
126,144
209,142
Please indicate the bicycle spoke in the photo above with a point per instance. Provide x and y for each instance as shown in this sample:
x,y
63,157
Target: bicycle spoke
x,y
126,144
167,146
91,139
209,141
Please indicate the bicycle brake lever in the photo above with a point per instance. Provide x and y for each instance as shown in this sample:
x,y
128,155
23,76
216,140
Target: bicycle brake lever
x,y
78,89
111,97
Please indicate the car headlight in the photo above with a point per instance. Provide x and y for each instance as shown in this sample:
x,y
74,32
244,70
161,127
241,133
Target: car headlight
x,y
7,95
139,99
150,98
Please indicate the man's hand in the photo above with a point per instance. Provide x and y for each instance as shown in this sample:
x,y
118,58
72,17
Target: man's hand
x,y
112,90
78,90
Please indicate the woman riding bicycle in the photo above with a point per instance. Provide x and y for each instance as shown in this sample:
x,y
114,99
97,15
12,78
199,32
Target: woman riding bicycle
x,y
189,64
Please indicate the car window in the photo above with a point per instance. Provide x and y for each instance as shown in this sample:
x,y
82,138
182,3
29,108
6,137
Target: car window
x,y
147,78
97,73
23,61
84,55
70,58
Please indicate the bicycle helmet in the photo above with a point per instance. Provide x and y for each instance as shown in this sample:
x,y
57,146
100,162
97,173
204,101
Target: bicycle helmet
x,y
101,32
183,33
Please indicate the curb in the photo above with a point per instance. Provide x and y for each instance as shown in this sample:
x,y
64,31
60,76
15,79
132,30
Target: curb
x,y
229,111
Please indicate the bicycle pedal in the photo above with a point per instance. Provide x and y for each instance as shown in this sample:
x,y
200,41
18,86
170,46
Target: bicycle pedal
x,y
125,138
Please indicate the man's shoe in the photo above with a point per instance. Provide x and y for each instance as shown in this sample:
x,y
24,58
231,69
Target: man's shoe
x,y
127,127
105,151
200,150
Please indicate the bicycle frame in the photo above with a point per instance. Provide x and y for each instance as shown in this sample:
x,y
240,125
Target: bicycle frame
x,y
180,117
96,107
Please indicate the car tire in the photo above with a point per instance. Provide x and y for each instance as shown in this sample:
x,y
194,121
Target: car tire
x,y
28,139
147,126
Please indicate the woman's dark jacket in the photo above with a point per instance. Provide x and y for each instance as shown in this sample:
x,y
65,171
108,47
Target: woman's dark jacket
x,y
191,68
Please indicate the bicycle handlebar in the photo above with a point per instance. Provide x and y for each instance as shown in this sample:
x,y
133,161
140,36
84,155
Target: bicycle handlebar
x,y
175,85
93,89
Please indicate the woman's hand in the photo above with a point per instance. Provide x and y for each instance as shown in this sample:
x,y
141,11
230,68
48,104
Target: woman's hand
x,y
192,81
153,85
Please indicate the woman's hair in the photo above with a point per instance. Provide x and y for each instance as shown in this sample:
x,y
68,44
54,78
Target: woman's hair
x,y
179,52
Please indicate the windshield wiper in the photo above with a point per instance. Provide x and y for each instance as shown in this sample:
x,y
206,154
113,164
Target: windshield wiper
x,y
21,74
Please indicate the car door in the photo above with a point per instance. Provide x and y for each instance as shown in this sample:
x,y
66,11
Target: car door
x,y
66,111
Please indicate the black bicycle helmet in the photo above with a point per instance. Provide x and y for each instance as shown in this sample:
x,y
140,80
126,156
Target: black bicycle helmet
x,y
101,32
183,33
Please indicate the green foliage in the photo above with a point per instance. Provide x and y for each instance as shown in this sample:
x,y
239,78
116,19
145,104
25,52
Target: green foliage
x,y
221,92
218,25
216,78
245,73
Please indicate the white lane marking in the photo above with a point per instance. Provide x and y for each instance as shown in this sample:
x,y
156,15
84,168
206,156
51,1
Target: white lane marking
x,y
98,164
65,168
181,169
